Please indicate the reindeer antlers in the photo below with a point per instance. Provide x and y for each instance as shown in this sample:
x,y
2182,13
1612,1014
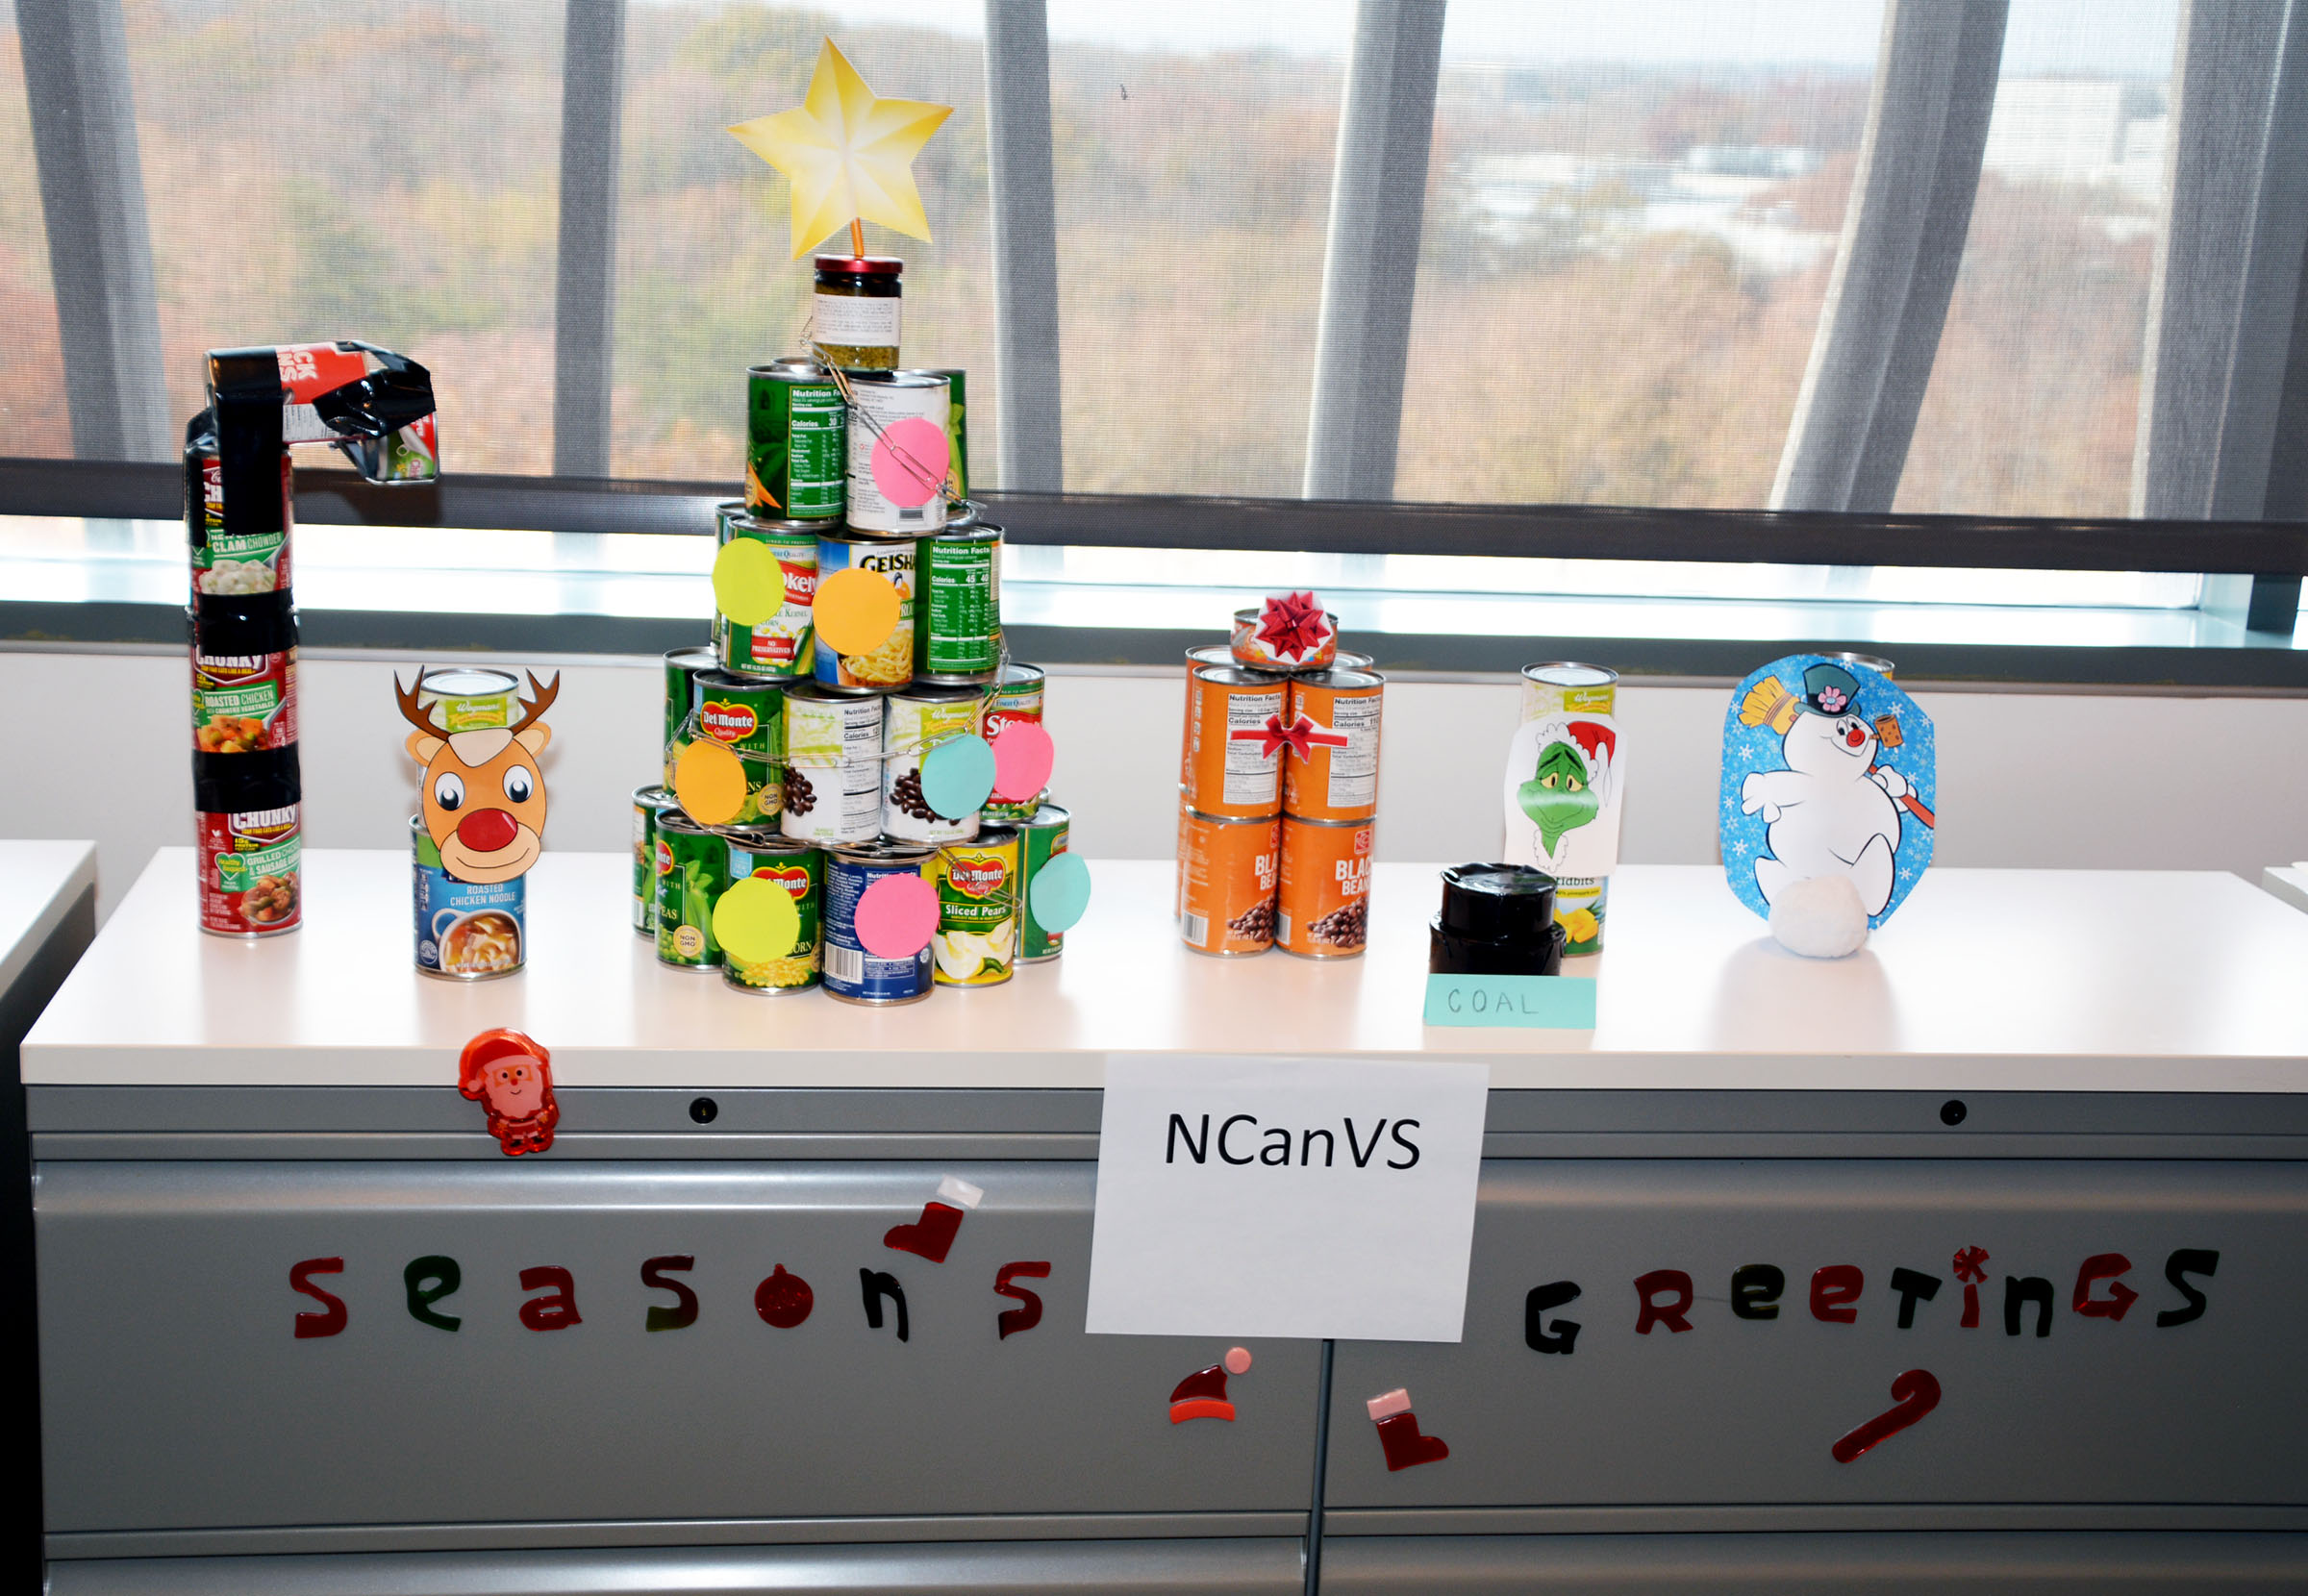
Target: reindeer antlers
x,y
541,699
413,712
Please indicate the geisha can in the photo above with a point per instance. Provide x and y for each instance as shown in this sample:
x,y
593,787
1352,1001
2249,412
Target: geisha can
x,y
1323,908
466,930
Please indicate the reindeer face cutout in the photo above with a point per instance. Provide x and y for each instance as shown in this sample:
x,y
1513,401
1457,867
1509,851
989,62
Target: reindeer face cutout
x,y
483,797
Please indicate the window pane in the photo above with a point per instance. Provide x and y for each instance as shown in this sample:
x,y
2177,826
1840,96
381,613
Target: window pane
x,y
32,415
1632,213
2034,398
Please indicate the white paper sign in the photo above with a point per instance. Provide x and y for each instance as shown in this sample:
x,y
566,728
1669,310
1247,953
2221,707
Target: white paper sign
x,y
1286,1197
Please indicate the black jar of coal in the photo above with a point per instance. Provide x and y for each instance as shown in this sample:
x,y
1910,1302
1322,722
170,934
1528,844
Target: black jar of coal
x,y
1496,919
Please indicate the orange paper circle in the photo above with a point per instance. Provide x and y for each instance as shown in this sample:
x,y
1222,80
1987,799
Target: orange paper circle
x,y
709,783
855,610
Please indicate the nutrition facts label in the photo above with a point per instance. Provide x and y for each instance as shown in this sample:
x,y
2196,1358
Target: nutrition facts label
x,y
1252,774
855,322
1354,768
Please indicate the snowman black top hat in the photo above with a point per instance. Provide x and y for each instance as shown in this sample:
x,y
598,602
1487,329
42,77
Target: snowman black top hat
x,y
1829,690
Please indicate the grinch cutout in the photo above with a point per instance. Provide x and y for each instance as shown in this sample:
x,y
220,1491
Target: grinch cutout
x,y
1563,795
1829,780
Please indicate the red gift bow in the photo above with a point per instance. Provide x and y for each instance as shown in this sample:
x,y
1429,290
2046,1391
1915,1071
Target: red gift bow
x,y
1292,625
1968,1264
1300,736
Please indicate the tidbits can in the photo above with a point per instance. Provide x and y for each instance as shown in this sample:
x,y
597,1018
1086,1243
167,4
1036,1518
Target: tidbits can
x,y
1323,909
958,606
977,881
852,973
693,871
1232,742
250,861
800,869
1018,698
897,452
796,441
1331,772
466,930
833,766
784,644
1040,841
919,720
888,663
1229,871
648,803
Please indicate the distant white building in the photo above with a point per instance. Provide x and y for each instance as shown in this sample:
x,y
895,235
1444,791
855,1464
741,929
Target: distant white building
x,y
2070,130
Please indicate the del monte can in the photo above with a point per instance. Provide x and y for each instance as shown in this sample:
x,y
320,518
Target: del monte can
x,y
976,945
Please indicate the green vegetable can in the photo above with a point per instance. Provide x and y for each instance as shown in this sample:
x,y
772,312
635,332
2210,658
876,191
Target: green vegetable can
x,y
800,869
958,606
648,803
683,668
692,872
1040,841
957,428
748,715
797,442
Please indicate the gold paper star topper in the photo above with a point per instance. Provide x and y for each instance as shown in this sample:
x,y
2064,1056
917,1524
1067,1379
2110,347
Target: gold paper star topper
x,y
847,154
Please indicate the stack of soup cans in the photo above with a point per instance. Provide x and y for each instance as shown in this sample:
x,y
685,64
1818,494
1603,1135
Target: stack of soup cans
x,y
832,743
1278,792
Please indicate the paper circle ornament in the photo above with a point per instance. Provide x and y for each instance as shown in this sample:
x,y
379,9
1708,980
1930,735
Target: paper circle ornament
x,y
855,610
709,783
1059,894
1023,757
896,916
756,921
910,461
957,776
748,588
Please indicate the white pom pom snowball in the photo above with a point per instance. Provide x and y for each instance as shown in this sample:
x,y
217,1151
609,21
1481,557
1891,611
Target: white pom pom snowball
x,y
1820,918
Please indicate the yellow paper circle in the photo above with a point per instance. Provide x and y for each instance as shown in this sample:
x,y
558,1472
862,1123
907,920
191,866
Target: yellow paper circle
x,y
748,588
709,783
756,921
855,610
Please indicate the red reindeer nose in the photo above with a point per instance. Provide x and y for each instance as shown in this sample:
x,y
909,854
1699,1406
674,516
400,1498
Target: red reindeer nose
x,y
487,831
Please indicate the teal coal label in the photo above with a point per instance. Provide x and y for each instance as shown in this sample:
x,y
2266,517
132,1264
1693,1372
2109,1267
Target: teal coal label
x,y
1529,1002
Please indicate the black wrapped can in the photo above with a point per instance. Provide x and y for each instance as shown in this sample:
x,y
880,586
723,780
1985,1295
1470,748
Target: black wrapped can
x,y
1496,919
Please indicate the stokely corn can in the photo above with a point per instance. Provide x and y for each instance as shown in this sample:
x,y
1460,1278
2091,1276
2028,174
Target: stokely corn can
x,y
919,720
693,871
798,868
833,766
1229,871
784,645
1018,698
1324,910
1234,742
1332,774
1569,687
889,663
648,803
1040,841
976,945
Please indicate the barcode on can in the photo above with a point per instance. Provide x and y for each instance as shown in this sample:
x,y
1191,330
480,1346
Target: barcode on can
x,y
1197,929
844,963
1282,927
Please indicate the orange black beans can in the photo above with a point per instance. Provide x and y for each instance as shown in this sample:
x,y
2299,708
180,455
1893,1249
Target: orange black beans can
x,y
1232,742
1209,654
1323,908
1333,773
1229,871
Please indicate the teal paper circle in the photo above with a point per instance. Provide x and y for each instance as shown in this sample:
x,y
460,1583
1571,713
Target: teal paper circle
x,y
957,776
1059,894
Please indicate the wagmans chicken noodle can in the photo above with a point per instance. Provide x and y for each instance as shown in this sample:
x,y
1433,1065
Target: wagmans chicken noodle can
x,y
468,698
833,766
978,918
784,645
1018,697
852,973
464,931
648,803
919,720
798,868
879,452
796,442
692,872
1572,687
1040,841
891,662
683,668
958,606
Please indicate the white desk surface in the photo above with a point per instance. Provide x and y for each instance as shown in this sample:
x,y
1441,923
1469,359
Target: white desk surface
x,y
2289,882
1987,980
40,881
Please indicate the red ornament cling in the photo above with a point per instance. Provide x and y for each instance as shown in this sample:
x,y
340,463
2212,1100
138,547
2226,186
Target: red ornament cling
x,y
511,1076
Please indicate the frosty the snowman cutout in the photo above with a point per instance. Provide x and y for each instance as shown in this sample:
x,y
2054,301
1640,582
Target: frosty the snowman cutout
x,y
1827,814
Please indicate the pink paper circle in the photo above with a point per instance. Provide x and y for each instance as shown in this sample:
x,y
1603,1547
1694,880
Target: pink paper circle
x,y
1023,757
910,461
1237,1359
896,916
